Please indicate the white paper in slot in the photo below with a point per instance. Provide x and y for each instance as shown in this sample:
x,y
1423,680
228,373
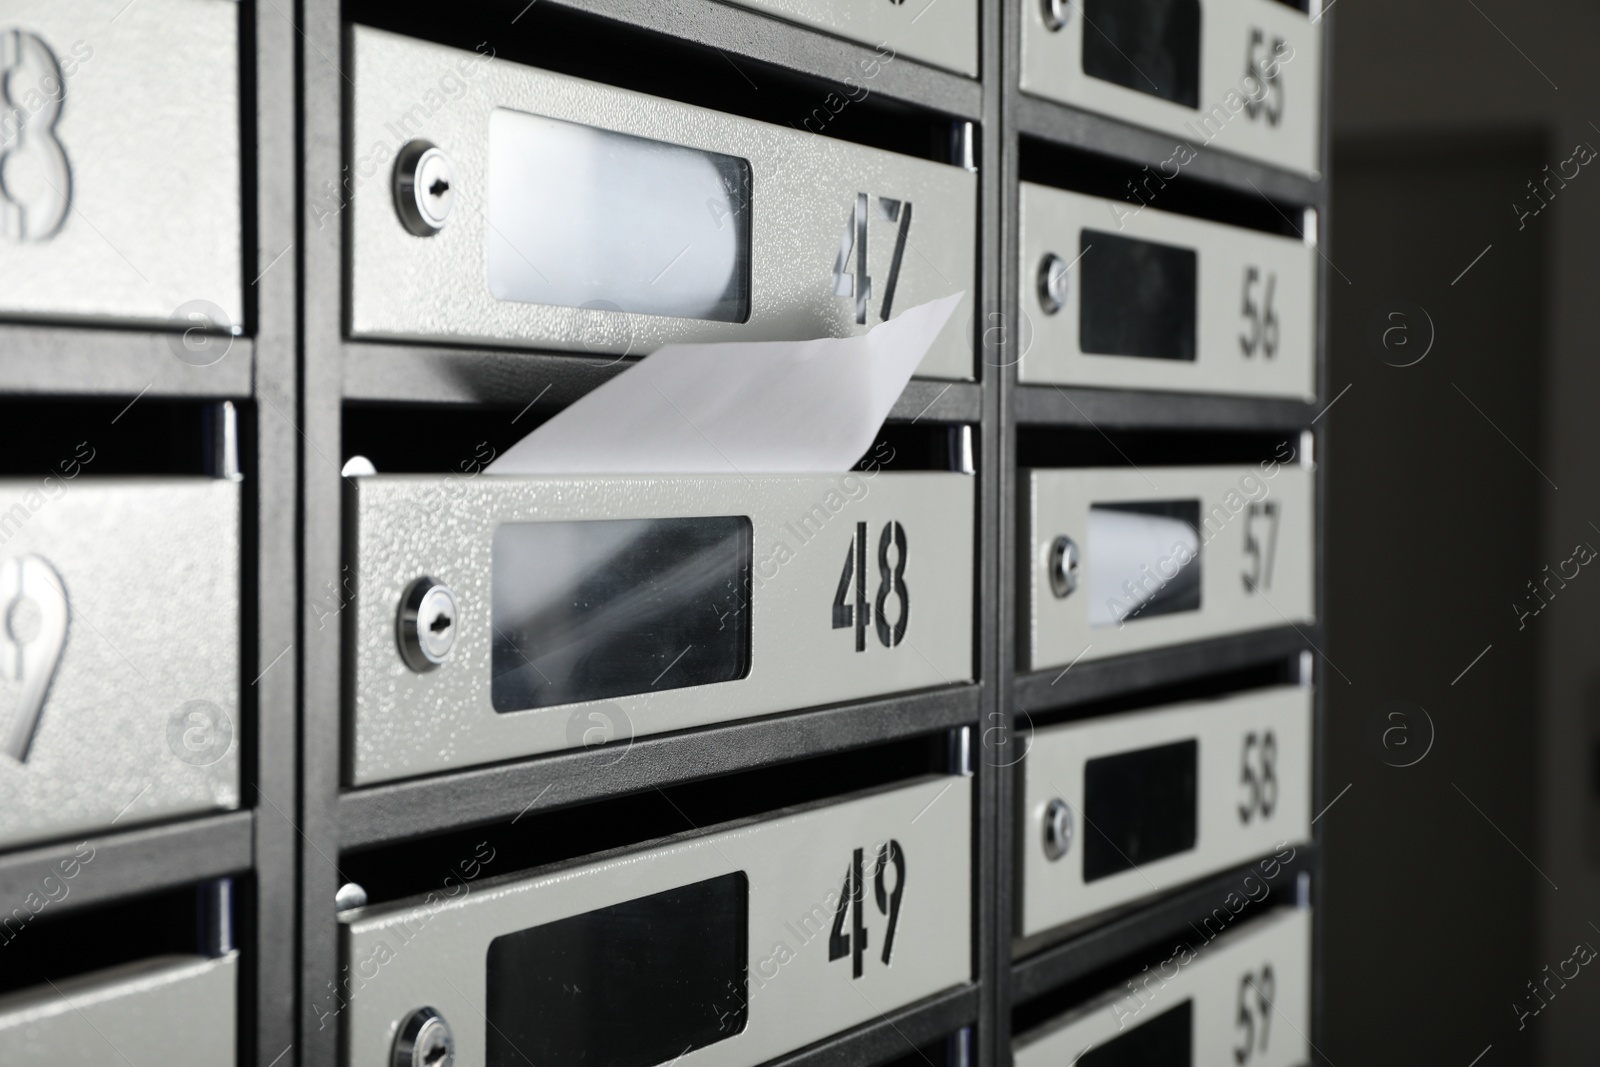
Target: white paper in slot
x,y
738,407
1140,565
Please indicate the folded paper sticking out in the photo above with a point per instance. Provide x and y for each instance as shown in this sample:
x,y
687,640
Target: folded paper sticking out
x,y
740,407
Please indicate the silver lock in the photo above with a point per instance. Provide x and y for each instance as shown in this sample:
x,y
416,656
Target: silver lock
x,y
1057,829
1052,283
424,188
428,624
1063,566
1056,14
424,1040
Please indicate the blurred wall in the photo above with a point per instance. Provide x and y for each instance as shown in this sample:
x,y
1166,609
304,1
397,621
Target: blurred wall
x,y
1464,71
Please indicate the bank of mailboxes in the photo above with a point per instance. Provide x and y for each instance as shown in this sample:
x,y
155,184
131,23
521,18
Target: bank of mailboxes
x,y
130,1014
1232,993
1244,76
1120,808
1130,297
723,948
122,191
1128,559
940,32
119,650
496,203
501,616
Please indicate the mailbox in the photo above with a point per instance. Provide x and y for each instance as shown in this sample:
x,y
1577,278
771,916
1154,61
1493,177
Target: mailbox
x,y
493,203
1244,76
1120,808
120,147
725,947
1125,560
1129,297
119,657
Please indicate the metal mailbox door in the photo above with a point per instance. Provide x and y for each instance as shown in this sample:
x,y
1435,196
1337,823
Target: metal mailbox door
x,y
1132,559
1118,809
641,604
120,155
563,214
1145,299
177,1011
1244,76
119,660
723,948
941,32
1242,998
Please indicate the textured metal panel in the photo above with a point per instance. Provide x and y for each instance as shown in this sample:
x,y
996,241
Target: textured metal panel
x,y
419,806
941,32
177,1011
431,952
1054,221
1059,502
150,569
1052,67
149,127
1213,976
1054,892
407,723
803,190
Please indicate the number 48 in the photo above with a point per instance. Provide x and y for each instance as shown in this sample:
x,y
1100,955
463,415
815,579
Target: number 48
x,y
891,580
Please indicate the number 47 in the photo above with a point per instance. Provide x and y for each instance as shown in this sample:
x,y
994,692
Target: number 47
x,y
857,283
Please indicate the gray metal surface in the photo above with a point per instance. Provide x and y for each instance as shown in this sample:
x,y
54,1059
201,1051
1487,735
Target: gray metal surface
x,y
426,374
176,1011
108,866
1059,502
1130,409
1232,824
1067,125
766,40
432,951
803,189
90,362
1140,931
148,159
1054,221
1210,976
936,31
420,806
405,723
1052,66
141,721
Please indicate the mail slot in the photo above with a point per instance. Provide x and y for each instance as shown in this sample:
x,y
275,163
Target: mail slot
x,y
1242,998
119,660
940,32
1134,558
1135,298
502,616
496,203
1244,76
119,141
171,1010
718,948
1119,808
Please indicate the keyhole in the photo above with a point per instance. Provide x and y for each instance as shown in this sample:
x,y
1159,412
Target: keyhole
x,y
24,620
440,623
435,1055
438,188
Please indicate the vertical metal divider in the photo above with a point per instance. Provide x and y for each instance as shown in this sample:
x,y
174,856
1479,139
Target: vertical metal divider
x,y
1321,677
1001,51
324,79
273,267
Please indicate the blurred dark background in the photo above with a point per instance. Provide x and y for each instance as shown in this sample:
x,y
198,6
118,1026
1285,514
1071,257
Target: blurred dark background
x,y
1463,693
